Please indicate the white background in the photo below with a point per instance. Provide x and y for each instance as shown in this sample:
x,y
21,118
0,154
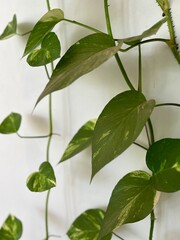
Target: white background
x,y
20,85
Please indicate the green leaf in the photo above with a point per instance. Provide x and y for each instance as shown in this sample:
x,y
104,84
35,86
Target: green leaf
x,y
81,140
42,180
42,27
81,58
50,51
118,126
11,229
132,199
87,226
163,159
11,124
151,31
10,29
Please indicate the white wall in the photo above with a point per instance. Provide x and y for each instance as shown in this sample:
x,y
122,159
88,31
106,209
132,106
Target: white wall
x,y
20,85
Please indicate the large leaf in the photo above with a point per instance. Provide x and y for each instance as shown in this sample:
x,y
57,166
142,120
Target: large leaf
x,y
11,123
81,140
42,27
49,51
118,126
132,199
84,56
163,159
151,31
10,29
87,226
42,180
11,229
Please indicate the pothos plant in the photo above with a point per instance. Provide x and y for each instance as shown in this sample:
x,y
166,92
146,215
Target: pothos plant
x,y
116,128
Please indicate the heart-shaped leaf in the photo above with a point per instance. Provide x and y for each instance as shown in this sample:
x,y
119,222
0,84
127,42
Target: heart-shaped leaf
x,y
42,27
11,229
11,123
42,180
81,140
163,159
118,126
10,29
83,57
50,51
87,226
151,31
132,199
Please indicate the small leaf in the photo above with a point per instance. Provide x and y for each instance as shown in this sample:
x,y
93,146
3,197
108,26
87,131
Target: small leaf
x,y
151,31
50,51
42,180
81,58
163,159
11,124
118,126
10,30
42,27
11,229
81,140
87,226
132,199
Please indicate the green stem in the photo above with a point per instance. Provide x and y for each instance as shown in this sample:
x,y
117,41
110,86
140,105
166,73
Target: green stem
x,y
48,5
47,215
167,104
31,137
139,145
50,129
140,70
24,34
144,42
117,236
109,29
151,131
82,25
48,154
152,216
152,219
167,12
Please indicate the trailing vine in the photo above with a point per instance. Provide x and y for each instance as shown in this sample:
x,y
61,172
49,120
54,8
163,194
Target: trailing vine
x,y
116,128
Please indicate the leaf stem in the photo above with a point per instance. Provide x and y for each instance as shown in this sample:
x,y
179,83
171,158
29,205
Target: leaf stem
x,y
167,104
47,214
151,131
31,137
82,25
139,145
144,42
23,34
152,219
173,45
140,69
48,5
152,216
118,60
117,236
